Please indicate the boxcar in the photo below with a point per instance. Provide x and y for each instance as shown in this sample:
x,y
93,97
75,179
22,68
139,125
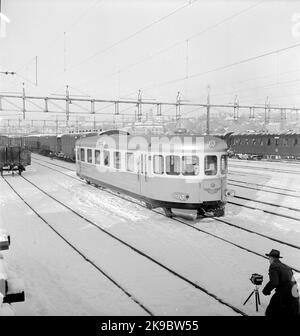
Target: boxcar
x,y
14,158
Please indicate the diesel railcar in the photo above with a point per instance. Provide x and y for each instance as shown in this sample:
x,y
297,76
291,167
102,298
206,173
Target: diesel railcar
x,y
180,171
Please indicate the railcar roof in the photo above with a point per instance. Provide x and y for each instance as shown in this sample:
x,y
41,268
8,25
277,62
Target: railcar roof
x,y
265,133
186,141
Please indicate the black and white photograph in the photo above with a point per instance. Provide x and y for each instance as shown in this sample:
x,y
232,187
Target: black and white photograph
x,y
149,160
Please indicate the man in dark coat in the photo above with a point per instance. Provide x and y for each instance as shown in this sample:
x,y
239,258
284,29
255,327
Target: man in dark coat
x,y
285,301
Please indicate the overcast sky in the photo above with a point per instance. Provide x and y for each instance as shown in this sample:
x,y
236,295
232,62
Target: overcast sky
x,y
113,48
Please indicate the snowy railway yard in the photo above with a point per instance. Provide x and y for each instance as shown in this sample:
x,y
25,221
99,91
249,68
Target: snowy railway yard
x,y
83,250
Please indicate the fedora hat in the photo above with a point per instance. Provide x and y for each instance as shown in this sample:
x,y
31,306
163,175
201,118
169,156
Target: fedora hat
x,y
274,254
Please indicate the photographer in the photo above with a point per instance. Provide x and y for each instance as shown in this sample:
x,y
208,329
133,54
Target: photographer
x,y
284,301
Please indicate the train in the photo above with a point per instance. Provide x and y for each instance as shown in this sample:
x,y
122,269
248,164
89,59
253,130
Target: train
x,y
13,155
61,146
264,145
179,171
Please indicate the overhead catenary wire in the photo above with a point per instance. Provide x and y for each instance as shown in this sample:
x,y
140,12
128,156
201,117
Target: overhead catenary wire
x,y
130,36
221,68
186,40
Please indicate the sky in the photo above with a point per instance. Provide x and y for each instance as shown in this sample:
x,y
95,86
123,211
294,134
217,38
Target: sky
x,y
110,49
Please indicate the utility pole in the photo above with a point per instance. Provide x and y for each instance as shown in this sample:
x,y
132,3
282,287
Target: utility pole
x,y
36,71
236,109
67,103
65,52
23,93
208,111
139,106
178,100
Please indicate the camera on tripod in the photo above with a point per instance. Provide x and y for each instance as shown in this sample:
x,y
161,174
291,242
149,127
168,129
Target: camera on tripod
x,y
256,279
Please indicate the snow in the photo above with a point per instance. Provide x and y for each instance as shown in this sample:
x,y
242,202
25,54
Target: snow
x,y
60,282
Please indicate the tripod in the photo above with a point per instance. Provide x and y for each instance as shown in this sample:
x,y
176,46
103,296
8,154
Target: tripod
x,y
257,300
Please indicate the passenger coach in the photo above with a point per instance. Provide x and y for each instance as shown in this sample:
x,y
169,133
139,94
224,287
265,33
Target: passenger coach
x,y
190,174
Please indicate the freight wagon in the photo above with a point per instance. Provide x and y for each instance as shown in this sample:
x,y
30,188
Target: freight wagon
x,y
14,158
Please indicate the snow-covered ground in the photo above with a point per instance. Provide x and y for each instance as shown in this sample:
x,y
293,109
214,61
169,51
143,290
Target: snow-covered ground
x,y
219,258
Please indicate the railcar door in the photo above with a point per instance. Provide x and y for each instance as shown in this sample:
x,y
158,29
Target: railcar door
x,y
143,177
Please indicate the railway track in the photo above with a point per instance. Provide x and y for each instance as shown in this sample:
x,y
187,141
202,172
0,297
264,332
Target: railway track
x,y
297,247
141,253
237,204
264,210
266,168
249,185
79,252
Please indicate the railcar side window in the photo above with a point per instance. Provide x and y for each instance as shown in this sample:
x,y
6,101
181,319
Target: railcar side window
x,y
106,158
89,156
190,165
269,142
295,141
210,165
82,154
158,164
97,157
130,162
173,165
117,160
224,164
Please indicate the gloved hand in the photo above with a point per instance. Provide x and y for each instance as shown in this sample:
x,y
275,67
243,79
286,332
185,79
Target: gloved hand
x,y
265,291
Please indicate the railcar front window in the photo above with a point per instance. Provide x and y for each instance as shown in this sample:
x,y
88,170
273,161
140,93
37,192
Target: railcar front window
x,y
82,154
210,165
158,164
224,164
190,165
97,157
117,160
172,165
89,156
106,158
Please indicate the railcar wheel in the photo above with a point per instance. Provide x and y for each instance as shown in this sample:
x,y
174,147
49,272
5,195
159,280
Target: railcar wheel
x,y
88,182
168,212
149,206
219,212
200,213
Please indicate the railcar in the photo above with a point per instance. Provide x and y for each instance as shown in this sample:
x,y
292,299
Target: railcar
x,y
32,142
10,140
280,145
14,158
179,171
48,144
68,142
